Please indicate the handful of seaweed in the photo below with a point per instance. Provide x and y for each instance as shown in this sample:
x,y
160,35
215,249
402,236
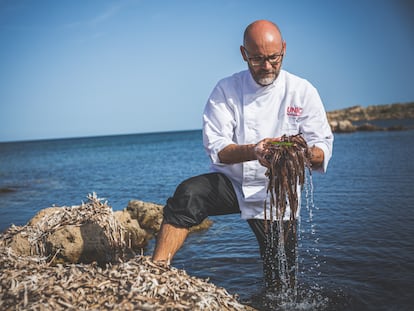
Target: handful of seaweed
x,y
289,158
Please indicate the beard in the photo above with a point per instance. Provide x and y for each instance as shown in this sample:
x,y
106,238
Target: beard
x,y
266,80
264,77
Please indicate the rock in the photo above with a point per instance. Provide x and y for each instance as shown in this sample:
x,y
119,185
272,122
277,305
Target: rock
x,y
343,126
21,245
86,243
341,120
84,233
135,237
207,223
376,112
369,127
19,240
90,232
46,212
397,128
149,216
7,189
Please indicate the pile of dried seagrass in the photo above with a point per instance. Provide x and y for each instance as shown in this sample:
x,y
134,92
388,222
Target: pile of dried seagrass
x,y
36,282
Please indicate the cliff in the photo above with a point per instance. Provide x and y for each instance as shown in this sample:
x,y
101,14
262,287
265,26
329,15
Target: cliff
x,y
359,118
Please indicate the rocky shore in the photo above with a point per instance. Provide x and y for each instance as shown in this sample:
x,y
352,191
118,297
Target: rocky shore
x,y
86,257
90,232
358,118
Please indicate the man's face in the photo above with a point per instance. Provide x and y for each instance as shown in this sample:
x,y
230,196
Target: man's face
x,y
265,68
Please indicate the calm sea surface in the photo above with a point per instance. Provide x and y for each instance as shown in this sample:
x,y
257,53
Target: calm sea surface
x,y
356,247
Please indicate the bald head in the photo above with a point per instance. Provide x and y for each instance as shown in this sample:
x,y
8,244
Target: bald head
x,y
260,34
263,50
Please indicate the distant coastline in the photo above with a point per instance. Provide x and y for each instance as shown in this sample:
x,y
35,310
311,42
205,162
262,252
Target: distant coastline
x,y
358,118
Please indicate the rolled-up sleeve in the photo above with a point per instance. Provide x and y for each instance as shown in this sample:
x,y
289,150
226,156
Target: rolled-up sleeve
x,y
315,126
218,124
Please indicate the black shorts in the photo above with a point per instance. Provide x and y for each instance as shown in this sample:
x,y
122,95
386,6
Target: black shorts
x,y
209,195
198,197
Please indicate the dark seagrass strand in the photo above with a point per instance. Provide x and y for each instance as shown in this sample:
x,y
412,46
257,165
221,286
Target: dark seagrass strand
x,y
289,158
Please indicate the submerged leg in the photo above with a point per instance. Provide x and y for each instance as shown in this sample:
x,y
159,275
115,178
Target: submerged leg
x,y
279,266
271,271
291,241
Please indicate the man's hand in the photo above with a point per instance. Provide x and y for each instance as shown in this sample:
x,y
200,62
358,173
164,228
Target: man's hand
x,y
261,151
316,157
241,153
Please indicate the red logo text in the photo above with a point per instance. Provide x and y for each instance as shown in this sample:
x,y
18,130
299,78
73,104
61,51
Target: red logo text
x,y
294,111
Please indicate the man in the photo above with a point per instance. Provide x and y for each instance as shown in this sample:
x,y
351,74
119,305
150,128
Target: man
x,y
243,113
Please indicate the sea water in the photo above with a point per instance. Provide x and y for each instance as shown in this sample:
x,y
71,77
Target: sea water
x,y
356,250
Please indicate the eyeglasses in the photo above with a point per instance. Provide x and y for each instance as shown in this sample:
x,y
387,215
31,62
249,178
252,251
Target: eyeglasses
x,y
273,59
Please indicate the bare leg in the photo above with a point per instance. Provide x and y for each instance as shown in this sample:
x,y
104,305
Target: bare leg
x,y
169,241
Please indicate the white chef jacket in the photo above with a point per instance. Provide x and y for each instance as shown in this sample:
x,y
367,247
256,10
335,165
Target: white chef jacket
x,y
240,111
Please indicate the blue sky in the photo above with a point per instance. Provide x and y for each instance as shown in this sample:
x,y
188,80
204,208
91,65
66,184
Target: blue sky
x,y
88,68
